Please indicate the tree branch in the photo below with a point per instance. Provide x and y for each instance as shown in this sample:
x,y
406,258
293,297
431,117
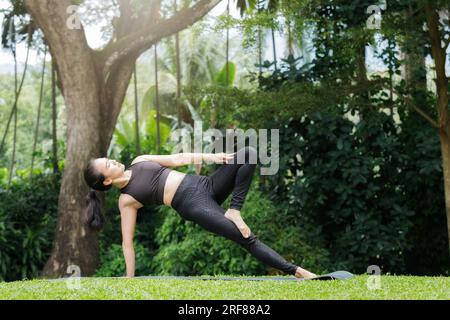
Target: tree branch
x,y
144,38
68,47
442,26
74,61
439,57
446,43
422,113
410,103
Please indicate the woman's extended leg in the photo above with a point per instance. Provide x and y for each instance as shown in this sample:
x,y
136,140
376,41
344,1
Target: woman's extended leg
x,y
194,201
210,215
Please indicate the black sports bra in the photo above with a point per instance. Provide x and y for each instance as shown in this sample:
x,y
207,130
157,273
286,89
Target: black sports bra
x,y
147,182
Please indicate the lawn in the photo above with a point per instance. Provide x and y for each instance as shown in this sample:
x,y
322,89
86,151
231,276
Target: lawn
x,y
391,287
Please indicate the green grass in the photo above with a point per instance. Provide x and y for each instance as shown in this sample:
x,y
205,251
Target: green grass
x,y
392,287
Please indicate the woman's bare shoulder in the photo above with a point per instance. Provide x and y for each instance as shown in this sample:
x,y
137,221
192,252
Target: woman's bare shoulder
x,y
137,159
126,200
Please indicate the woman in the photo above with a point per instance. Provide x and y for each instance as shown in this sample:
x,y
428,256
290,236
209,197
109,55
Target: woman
x,y
197,198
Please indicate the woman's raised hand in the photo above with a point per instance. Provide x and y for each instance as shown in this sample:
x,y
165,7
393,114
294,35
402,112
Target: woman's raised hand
x,y
222,157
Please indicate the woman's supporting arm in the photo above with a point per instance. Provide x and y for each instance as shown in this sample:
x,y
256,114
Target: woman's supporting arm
x,y
128,253
128,221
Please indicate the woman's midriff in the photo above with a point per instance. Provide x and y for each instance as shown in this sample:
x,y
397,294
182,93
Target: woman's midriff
x,y
172,182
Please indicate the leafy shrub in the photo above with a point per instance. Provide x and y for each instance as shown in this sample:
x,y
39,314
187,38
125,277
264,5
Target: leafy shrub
x,y
27,224
350,188
112,262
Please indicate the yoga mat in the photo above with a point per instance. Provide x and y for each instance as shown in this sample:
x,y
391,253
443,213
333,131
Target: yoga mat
x,y
337,275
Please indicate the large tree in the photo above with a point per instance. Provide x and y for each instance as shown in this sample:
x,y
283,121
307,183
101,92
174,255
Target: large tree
x,y
94,83
439,33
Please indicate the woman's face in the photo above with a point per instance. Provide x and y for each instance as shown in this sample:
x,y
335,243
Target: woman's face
x,y
111,169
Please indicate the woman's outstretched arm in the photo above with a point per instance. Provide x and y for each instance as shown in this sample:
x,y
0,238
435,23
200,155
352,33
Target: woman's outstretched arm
x,y
185,158
128,221
198,158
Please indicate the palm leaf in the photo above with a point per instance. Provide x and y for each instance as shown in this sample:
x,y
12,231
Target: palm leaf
x,y
221,77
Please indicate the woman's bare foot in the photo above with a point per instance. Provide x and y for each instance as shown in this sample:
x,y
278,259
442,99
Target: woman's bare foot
x,y
302,273
235,216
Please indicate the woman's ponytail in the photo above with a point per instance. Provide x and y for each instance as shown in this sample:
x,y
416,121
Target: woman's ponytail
x,y
94,179
94,216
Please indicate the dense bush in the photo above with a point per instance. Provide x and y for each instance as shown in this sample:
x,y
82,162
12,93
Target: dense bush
x,y
349,188
358,186
422,181
27,224
368,191
113,263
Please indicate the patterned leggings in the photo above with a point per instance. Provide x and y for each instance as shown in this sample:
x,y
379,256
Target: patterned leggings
x,y
198,199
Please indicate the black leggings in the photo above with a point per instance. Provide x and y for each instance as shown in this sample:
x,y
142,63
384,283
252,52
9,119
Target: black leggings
x,y
198,199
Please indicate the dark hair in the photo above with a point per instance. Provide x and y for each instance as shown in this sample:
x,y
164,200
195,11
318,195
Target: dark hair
x,y
94,178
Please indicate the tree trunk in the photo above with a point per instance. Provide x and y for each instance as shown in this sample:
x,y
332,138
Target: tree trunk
x,y
445,149
94,84
178,63
17,91
38,118
439,56
260,51
290,40
227,47
74,244
14,114
158,137
54,116
274,48
136,111
414,65
361,74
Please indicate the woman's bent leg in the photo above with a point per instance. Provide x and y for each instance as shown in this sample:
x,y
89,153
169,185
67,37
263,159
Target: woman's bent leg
x,y
234,177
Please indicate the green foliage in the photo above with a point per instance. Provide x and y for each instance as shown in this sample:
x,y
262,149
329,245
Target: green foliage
x,y
422,180
125,132
27,223
351,185
354,185
221,77
113,263
3,176
287,73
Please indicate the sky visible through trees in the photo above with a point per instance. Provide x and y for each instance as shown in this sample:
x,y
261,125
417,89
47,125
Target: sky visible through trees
x,y
94,38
